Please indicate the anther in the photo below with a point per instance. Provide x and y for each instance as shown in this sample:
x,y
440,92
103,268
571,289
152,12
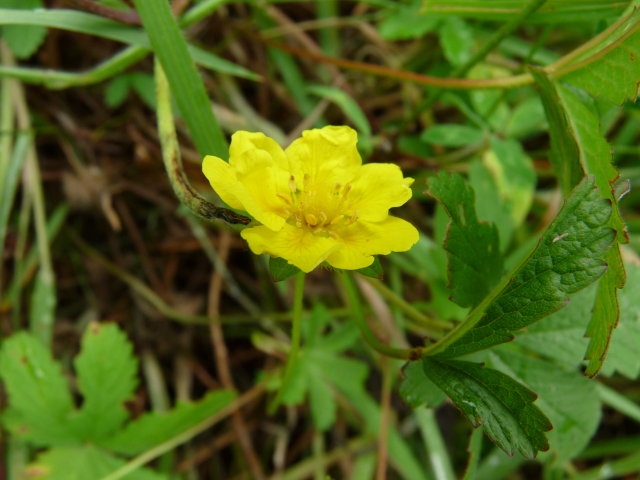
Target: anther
x,y
311,219
323,218
283,197
337,219
292,184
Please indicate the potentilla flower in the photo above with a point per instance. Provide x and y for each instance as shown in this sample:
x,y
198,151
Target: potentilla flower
x,y
314,201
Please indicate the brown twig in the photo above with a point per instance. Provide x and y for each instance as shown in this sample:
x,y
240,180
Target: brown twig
x,y
130,17
222,359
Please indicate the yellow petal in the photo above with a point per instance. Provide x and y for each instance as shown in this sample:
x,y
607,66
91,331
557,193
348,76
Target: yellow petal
x,y
251,150
363,239
223,180
298,246
377,188
326,155
254,193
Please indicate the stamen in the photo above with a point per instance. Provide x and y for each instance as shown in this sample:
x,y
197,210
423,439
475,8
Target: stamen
x,y
353,218
311,219
336,188
347,189
336,220
283,197
292,184
323,218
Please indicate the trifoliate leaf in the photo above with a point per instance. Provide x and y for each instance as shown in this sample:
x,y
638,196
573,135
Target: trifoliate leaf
x,y
40,403
475,262
457,40
82,463
494,400
567,258
106,369
152,429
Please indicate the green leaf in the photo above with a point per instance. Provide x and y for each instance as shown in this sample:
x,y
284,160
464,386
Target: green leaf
x,y
81,22
416,389
83,463
575,135
23,40
475,262
567,398
407,22
452,135
526,118
622,356
559,336
186,85
346,103
567,258
374,270
280,269
457,39
615,72
153,429
40,403
494,400
106,370
117,90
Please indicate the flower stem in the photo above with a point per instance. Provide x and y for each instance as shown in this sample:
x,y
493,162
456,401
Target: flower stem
x,y
367,334
296,323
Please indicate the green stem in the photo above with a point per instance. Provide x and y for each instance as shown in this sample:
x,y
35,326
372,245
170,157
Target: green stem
x,y
296,330
369,337
434,325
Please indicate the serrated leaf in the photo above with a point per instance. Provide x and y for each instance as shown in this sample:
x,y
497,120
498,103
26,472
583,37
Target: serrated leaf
x,y
23,40
40,403
452,135
615,72
82,463
606,312
622,356
567,258
152,429
494,400
567,398
576,140
473,251
106,370
416,389
280,269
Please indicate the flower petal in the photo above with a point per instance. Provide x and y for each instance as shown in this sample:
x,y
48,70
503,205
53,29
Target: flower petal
x,y
363,239
326,155
223,180
298,246
251,150
377,188
254,192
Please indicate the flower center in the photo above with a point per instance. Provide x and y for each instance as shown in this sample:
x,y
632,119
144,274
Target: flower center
x,y
320,209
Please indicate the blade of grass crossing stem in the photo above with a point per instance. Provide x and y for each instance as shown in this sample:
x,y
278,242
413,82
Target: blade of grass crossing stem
x,y
186,85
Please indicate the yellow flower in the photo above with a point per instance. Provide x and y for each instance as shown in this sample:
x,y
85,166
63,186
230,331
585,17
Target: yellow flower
x,y
315,200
